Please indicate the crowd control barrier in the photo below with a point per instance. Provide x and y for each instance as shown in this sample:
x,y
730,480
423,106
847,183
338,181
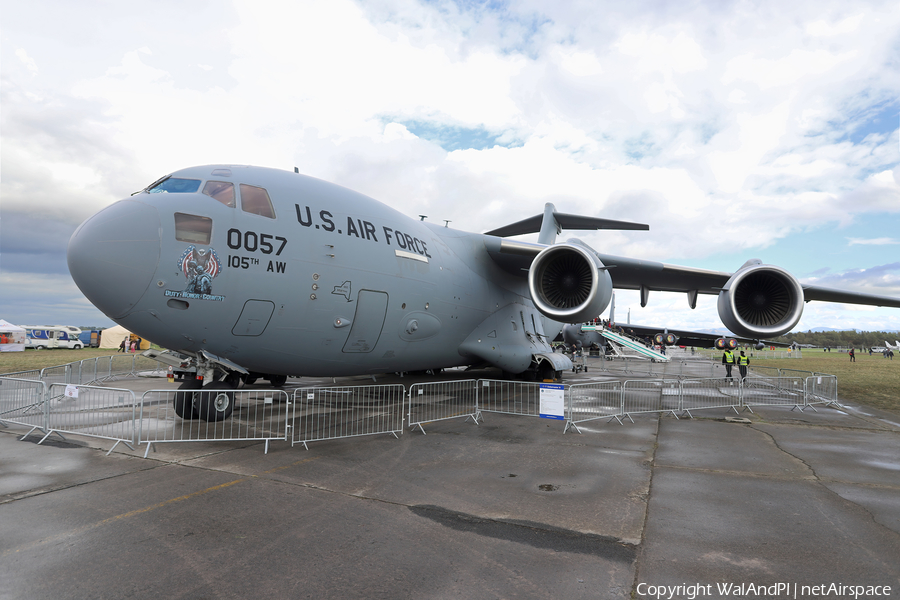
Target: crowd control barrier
x,y
100,412
591,401
61,403
651,396
342,412
22,402
437,401
773,391
256,415
509,397
821,389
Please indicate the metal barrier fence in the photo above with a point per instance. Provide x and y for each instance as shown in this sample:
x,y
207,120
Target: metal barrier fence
x,y
509,397
592,401
821,389
315,414
58,374
430,402
776,391
23,402
342,412
100,412
650,396
256,415
700,394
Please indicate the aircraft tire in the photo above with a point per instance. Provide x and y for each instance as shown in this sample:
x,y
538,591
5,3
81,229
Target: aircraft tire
x,y
213,402
251,378
184,401
277,380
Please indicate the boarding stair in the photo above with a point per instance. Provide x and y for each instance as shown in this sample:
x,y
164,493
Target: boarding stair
x,y
627,342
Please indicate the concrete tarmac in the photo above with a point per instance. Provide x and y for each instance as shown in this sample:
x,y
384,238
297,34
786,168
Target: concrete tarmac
x,y
508,508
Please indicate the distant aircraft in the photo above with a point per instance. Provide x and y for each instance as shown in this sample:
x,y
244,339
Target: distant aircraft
x,y
257,272
896,345
573,335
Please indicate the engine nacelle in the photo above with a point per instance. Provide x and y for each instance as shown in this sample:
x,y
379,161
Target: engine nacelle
x,y
761,301
569,284
668,339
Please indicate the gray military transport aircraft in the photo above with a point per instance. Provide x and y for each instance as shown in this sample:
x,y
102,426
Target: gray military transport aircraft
x,y
257,272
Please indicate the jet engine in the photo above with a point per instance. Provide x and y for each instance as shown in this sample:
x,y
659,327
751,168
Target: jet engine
x,y
729,343
669,339
761,301
568,283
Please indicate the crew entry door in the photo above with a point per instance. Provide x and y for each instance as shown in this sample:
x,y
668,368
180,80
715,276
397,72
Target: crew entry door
x,y
371,308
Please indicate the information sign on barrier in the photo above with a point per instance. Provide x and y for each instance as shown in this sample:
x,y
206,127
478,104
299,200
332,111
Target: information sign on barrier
x,y
553,401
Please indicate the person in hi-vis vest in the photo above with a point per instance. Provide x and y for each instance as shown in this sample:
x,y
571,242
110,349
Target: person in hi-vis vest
x,y
743,361
728,361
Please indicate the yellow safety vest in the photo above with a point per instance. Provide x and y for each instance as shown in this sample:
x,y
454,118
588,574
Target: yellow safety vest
x,y
729,358
743,360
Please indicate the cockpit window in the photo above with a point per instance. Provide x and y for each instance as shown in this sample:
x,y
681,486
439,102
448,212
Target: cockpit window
x,y
222,191
255,200
175,185
193,229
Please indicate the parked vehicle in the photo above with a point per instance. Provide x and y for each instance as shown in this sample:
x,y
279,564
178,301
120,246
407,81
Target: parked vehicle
x,y
39,337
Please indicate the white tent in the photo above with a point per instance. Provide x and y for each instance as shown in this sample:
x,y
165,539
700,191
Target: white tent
x,y
12,337
113,336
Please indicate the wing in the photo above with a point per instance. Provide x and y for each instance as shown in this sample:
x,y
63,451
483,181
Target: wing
x,y
570,282
697,339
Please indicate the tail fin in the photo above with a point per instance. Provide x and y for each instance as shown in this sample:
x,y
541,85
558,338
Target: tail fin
x,y
551,223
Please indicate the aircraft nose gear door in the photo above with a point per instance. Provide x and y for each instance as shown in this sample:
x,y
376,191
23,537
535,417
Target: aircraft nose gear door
x,y
371,308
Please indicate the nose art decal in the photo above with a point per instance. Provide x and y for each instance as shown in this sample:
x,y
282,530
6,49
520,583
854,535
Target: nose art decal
x,y
200,266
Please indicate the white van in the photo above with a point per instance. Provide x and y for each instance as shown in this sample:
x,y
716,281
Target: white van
x,y
59,336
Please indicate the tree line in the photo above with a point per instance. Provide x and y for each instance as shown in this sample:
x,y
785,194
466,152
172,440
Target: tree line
x,y
833,339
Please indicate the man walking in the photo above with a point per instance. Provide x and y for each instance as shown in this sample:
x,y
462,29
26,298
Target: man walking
x,y
728,361
743,361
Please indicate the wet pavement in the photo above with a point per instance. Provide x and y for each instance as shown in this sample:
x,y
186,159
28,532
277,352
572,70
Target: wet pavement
x,y
508,508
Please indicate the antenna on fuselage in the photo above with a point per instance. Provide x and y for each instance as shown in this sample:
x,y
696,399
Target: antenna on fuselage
x,y
447,222
296,170
423,217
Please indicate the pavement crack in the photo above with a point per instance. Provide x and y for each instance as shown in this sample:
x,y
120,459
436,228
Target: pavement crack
x,y
823,483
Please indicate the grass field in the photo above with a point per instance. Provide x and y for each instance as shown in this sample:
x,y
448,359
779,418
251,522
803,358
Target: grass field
x,y
871,380
11,362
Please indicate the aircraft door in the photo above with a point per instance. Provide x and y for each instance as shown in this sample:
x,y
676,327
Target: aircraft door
x,y
254,318
371,309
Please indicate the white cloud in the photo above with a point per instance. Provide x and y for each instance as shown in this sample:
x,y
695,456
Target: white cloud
x,y
706,124
26,60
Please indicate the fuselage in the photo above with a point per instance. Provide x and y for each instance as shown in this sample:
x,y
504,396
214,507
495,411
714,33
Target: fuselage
x,y
283,273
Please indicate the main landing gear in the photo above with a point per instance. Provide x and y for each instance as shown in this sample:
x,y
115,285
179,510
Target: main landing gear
x,y
215,400
211,402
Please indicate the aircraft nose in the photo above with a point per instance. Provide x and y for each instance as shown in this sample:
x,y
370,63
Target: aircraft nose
x,y
114,255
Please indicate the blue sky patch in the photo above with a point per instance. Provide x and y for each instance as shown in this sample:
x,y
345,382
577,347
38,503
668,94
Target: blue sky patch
x,y
452,138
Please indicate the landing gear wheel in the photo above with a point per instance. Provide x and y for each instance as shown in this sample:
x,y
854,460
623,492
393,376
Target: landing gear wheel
x,y
277,380
251,378
184,401
213,402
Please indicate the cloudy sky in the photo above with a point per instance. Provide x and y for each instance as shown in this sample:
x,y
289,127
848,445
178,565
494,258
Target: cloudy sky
x,y
735,130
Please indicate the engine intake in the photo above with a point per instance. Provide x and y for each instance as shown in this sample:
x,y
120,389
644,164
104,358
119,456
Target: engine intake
x,y
761,301
568,283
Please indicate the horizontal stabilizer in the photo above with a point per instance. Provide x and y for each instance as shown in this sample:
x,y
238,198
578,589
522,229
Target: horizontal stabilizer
x,y
566,221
